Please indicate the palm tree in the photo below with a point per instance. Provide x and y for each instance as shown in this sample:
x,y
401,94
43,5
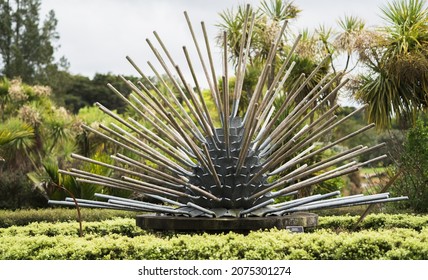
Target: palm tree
x,y
397,82
269,19
17,139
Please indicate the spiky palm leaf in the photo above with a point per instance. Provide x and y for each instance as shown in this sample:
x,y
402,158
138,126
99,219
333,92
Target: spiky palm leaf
x,y
399,81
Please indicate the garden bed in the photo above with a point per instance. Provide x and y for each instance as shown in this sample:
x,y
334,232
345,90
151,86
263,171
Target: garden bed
x,y
380,236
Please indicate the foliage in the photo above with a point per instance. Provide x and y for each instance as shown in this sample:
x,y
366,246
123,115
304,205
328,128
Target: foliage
x,y
16,191
23,217
36,140
269,19
26,44
397,59
76,92
121,239
414,165
373,222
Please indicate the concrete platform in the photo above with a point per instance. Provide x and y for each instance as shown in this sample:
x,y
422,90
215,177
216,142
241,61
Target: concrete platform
x,y
170,223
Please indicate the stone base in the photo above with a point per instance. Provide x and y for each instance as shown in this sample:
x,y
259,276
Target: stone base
x,y
170,223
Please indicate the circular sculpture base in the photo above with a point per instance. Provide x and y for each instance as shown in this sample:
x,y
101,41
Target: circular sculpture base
x,y
170,223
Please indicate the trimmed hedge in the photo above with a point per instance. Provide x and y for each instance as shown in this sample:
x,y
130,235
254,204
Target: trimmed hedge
x,y
26,216
273,244
121,239
338,223
374,222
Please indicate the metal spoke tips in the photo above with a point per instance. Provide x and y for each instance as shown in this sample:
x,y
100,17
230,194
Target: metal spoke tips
x,y
195,174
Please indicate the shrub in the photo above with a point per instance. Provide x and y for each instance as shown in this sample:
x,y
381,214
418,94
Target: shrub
x,y
120,238
259,245
26,216
414,164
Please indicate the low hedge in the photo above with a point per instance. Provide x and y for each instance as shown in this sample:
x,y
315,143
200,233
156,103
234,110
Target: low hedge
x,y
338,223
373,222
26,216
121,239
260,245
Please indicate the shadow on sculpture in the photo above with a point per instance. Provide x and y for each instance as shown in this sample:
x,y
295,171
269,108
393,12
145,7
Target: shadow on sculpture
x,y
227,178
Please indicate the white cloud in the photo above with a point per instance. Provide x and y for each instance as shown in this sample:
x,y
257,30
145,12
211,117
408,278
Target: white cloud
x,y
96,35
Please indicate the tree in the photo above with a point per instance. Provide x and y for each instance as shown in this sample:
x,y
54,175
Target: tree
x,y
413,158
26,44
269,20
396,84
79,91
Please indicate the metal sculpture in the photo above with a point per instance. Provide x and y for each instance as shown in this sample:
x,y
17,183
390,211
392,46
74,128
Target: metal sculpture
x,y
238,170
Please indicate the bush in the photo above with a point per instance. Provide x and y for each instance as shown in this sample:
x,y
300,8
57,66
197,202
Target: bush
x,y
120,238
374,222
62,242
17,192
26,216
414,164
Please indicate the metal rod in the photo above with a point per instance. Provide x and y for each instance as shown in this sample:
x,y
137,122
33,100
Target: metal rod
x,y
178,88
296,186
303,201
290,98
281,70
172,149
106,196
201,97
213,74
121,199
166,130
279,155
169,179
163,131
147,207
91,205
266,69
200,208
196,108
226,101
335,143
154,155
239,77
255,207
158,173
302,107
242,67
328,204
204,67
265,108
186,120
195,149
145,146
136,184
175,169
315,180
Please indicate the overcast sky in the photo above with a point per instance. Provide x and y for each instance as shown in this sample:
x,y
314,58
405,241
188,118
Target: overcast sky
x,y
96,35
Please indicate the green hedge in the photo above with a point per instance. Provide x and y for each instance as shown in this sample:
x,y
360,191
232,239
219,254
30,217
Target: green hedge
x,y
338,223
273,244
26,216
121,239
374,222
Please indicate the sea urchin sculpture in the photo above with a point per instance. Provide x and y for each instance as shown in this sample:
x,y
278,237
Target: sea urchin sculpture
x,y
238,170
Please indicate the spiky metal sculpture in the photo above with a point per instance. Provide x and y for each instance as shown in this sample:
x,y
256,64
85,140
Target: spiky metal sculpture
x,y
239,169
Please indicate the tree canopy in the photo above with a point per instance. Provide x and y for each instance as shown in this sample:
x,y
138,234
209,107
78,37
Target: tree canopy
x,y
27,43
